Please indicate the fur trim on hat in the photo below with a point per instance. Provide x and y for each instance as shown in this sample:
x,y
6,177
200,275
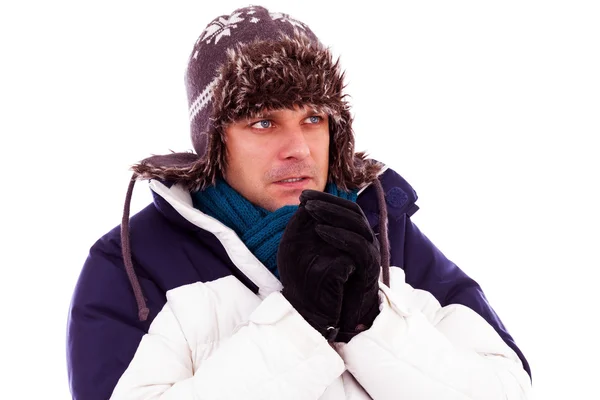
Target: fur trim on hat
x,y
271,75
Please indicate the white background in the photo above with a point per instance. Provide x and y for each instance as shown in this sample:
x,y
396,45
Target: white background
x,y
490,110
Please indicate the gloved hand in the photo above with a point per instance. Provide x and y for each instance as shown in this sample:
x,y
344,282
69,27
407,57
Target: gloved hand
x,y
313,273
328,261
343,225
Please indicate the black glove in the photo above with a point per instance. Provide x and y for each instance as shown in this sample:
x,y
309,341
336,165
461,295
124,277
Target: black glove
x,y
343,225
313,273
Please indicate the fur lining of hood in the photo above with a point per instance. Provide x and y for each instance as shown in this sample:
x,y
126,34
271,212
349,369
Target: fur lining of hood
x,y
270,75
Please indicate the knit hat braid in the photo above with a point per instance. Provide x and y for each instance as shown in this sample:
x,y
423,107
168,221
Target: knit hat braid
x,y
247,62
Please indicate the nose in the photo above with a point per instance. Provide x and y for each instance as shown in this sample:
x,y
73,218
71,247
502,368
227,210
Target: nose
x,y
294,144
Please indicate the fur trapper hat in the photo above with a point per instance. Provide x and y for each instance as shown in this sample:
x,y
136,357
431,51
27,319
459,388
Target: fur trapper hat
x,y
247,62
242,64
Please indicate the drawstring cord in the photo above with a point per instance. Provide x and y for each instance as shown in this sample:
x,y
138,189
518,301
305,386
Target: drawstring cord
x,y
383,233
143,310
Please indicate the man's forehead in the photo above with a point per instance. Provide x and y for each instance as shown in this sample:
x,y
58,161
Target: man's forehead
x,y
304,110
299,112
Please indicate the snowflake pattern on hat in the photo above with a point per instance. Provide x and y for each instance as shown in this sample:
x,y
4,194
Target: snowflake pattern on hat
x,y
286,18
220,27
210,52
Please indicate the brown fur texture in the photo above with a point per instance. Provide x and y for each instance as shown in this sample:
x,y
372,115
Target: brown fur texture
x,y
269,75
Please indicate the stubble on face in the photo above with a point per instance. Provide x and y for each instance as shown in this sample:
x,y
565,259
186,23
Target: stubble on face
x,y
272,202
262,159
300,168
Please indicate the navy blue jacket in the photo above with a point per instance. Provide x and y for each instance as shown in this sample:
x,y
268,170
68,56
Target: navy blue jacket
x,y
169,251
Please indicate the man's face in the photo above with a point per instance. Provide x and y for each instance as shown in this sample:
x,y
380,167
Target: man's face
x,y
273,158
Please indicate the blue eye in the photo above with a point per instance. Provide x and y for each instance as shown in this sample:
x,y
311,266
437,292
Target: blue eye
x,y
315,119
262,124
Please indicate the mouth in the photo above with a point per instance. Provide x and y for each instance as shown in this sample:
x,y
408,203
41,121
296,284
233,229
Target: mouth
x,y
293,182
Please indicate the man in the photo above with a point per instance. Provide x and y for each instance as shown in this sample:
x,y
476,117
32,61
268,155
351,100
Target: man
x,y
256,271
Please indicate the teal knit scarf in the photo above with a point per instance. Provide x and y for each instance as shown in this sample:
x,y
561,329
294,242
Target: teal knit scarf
x,y
258,228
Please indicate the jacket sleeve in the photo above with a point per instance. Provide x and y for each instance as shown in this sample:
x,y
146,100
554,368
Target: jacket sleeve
x,y
273,354
437,339
442,353
103,330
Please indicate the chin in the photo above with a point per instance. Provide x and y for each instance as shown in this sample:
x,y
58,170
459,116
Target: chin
x,y
287,201
289,197
282,201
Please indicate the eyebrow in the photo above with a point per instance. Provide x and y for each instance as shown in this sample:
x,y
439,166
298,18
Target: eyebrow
x,y
273,114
